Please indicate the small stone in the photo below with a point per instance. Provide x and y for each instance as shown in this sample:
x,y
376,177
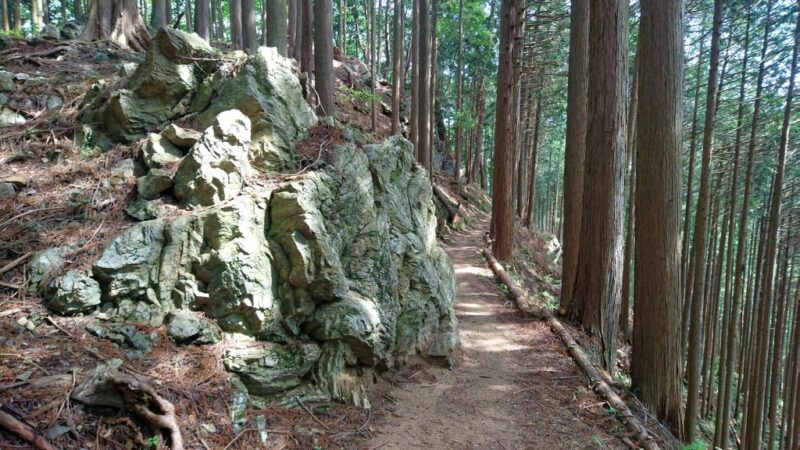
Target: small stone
x,y
3,99
127,69
6,81
153,184
75,292
54,102
128,168
50,32
181,137
186,328
71,31
261,424
7,190
16,180
159,152
9,117
141,210
35,82
22,76
208,428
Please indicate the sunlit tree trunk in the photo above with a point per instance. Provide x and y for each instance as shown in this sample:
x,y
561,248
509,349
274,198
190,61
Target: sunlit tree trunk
x,y
598,283
236,23
276,24
577,103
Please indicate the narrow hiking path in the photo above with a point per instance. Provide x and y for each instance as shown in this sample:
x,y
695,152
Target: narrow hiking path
x,y
514,388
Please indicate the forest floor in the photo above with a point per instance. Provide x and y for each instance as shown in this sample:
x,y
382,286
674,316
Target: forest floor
x,y
515,387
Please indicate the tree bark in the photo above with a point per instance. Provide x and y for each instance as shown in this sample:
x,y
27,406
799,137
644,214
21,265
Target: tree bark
x,y
726,386
276,24
530,210
574,153
503,178
701,224
424,82
249,38
37,18
117,21
292,27
397,65
236,23
323,56
598,283
307,52
754,434
202,19
159,15
6,23
414,119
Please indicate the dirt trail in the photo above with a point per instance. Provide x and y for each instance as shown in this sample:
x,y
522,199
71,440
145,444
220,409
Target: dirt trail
x,y
515,387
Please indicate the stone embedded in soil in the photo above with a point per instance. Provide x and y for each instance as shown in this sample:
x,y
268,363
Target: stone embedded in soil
x,y
272,368
159,152
142,210
72,293
7,190
50,32
43,263
187,328
6,81
9,117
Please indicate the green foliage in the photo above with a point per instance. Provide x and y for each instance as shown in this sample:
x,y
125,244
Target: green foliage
x,y
152,441
696,445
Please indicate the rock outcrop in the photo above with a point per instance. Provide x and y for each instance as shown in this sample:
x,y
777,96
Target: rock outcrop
x,y
316,281
182,77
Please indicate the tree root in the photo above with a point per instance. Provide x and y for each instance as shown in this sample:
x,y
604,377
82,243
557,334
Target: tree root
x,y
24,431
598,381
143,399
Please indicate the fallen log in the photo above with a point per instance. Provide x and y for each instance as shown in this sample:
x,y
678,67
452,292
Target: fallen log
x,y
598,381
24,431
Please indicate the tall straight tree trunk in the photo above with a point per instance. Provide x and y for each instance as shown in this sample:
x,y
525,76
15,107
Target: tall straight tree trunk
x,y
372,13
202,19
701,223
530,208
432,68
726,386
292,27
478,156
213,21
574,153
188,13
777,347
159,16
397,65
323,56
343,26
6,23
598,282
37,18
423,90
754,434
249,38
627,273
236,23
685,256
307,51
459,94
503,179
414,119
276,24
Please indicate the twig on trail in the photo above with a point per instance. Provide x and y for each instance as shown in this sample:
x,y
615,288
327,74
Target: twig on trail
x,y
597,381
378,446
236,438
300,402
27,360
24,431
15,263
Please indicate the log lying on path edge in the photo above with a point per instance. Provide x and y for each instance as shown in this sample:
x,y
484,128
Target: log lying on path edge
x,y
595,378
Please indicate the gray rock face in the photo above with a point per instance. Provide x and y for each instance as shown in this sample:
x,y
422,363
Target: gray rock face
x,y
42,264
153,184
182,75
214,170
72,293
331,275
